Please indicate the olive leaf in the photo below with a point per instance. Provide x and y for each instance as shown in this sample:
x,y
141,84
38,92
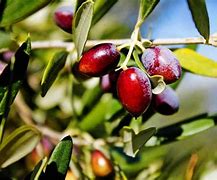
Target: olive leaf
x,y
52,70
38,170
158,84
18,144
200,16
81,25
17,10
59,161
101,7
196,63
146,7
15,76
133,142
6,41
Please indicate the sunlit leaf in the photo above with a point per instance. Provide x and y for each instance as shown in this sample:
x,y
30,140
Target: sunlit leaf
x,y
17,10
146,7
101,7
58,163
81,25
158,84
18,144
196,63
200,16
52,70
133,142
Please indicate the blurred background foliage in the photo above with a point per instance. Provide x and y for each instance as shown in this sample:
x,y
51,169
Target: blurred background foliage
x,y
185,145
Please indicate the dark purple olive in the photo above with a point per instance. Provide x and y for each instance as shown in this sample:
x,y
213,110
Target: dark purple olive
x,y
167,102
134,91
63,18
108,82
161,61
99,60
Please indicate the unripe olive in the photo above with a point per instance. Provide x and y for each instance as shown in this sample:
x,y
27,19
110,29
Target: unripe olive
x,y
134,91
99,60
63,18
101,165
161,61
167,102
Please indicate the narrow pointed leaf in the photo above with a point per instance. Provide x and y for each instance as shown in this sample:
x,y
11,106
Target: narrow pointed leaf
x,y
81,25
17,72
17,10
200,16
38,170
18,144
146,7
101,7
52,70
196,63
60,158
133,142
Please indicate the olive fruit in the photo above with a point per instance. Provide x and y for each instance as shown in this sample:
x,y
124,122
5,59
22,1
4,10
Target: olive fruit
x,y
161,61
108,82
134,90
101,165
99,60
167,102
63,18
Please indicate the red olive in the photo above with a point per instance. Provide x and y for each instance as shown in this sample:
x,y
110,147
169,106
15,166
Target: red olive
x,y
161,61
99,60
63,17
134,91
108,82
167,102
101,165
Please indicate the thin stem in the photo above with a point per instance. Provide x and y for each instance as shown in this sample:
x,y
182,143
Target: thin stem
x,y
134,39
90,43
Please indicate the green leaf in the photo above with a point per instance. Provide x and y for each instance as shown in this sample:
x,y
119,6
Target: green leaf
x,y
60,158
101,7
99,114
38,170
6,41
158,84
196,63
133,142
82,24
200,16
18,70
18,144
52,70
146,7
17,10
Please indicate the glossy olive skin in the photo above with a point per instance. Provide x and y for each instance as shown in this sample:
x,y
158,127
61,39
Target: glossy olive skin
x,y
101,165
108,82
63,18
134,91
161,61
167,102
99,60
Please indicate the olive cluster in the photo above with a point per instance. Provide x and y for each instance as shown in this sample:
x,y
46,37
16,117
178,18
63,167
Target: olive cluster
x,y
132,85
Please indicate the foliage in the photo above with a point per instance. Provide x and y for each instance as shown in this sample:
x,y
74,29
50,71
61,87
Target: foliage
x,y
43,98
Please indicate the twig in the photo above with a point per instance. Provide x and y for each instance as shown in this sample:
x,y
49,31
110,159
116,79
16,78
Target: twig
x,y
175,41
